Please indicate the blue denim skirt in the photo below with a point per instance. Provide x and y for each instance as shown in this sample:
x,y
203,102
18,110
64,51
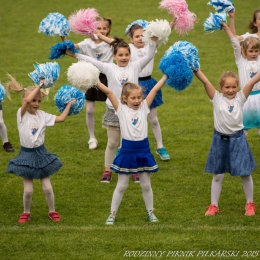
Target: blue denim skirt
x,y
34,163
230,153
134,157
147,85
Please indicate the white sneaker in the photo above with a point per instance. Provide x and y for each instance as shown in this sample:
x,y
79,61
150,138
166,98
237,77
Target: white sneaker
x,y
111,218
92,143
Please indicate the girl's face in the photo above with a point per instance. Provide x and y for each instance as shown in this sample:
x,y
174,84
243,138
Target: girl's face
x,y
252,54
137,39
35,104
134,99
122,57
103,28
257,21
230,88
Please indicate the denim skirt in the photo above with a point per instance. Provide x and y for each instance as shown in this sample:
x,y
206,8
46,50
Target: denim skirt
x,y
34,163
230,153
134,157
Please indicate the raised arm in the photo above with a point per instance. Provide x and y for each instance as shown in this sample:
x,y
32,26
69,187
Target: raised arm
x,y
207,85
228,31
78,56
150,54
104,38
249,86
64,114
150,97
111,96
232,22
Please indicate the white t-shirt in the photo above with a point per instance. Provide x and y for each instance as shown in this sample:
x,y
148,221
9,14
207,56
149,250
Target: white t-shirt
x,y
246,68
117,76
137,54
101,51
133,123
228,113
32,127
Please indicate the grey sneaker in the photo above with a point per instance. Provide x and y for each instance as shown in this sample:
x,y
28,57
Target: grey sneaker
x,y
151,217
111,218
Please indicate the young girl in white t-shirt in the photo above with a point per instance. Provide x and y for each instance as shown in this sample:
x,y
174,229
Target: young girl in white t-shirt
x,y
229,150
135,155
34,161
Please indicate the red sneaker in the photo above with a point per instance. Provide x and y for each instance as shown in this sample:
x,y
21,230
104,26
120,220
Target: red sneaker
x,y
135,177
24,217
250,209
106,177
54,216
212,210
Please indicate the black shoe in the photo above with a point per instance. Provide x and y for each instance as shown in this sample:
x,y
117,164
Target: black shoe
x,y
8,147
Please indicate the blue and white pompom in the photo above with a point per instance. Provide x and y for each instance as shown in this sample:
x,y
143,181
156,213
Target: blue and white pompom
x,y
83,75
59,50
140,22
158,28
55,24
49,71
214,21
67,93
222,5
178,64
2,92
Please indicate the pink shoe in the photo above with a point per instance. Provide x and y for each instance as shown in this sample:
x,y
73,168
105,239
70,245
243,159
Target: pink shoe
x,y
24,217
106,177
250,209
212,210
54,216
135,177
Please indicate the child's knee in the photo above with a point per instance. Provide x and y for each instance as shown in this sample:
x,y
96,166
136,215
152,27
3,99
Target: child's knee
x,y
218,177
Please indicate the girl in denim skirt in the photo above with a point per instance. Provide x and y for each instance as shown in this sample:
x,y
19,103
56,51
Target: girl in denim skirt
x,y
229,150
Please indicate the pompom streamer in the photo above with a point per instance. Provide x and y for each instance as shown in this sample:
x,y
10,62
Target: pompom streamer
x,y
222,5
84,21
49,71
157,28
178,63
214,21
83,75
2,92
55,24
140,22
67,93
59,50
184,19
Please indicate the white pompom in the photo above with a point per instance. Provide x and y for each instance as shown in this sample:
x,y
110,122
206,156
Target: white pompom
x,y
157,28
83,75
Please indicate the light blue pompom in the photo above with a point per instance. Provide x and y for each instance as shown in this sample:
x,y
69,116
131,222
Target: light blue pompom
x,y
222,5
2,92
178,64
214,21
67,93
59,50
140,22
55,24
49,71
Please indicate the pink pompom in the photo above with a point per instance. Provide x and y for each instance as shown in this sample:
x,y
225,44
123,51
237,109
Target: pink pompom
x,y
185,22
174,7
184,19
84,21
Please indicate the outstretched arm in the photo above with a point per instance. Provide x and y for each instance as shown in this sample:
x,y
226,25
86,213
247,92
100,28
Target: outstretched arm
x,y
232,22
249,86
207,85
228,30
104,38
64,114
150,97
111,96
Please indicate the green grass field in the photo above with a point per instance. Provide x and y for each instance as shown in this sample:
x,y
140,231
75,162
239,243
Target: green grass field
x,y
181,187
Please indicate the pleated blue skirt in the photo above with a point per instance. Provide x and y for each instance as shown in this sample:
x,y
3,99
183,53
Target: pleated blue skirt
x,y
34,163
147,85
230,153
134,157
